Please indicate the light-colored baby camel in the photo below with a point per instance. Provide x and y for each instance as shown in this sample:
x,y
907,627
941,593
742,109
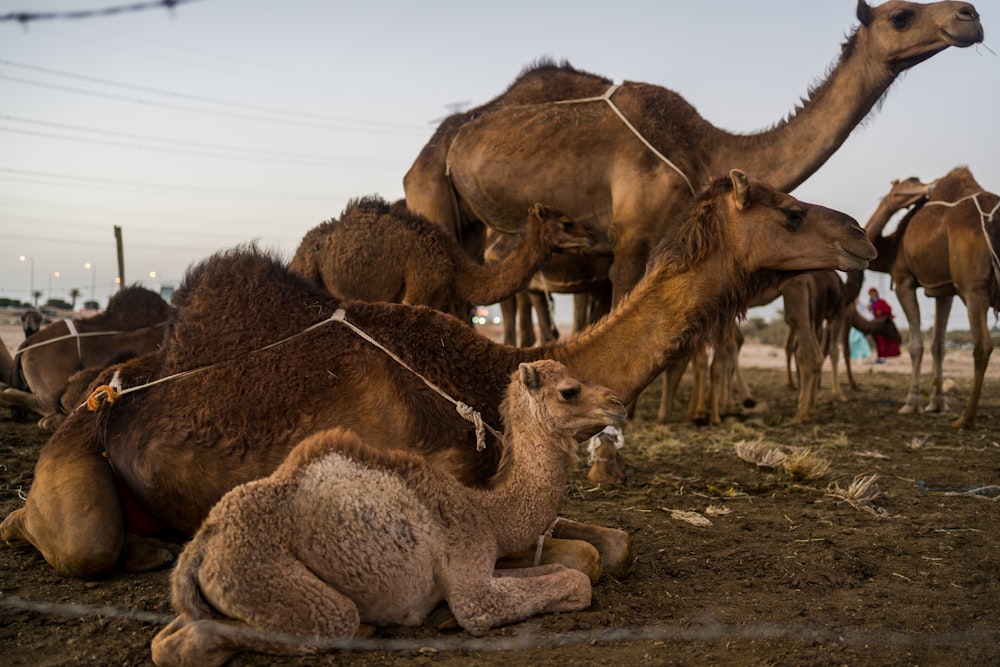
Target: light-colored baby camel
x,y
178,446
382,252
947,245
134,321
343,534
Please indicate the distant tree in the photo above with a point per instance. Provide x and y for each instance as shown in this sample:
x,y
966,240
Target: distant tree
x,y
59,303
90,304
74,294
36,295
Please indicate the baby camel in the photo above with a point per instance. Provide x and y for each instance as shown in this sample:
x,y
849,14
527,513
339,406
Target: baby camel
x,y
343,534
382,252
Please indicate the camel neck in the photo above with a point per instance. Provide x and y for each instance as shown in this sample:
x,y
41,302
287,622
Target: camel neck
x,y
629,348
791,151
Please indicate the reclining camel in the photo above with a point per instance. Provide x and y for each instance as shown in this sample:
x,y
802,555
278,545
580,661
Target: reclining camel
x,y
343,534
382,252
134,321
178,446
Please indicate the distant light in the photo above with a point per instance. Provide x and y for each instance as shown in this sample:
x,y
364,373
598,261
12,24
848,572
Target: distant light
x,y
152,274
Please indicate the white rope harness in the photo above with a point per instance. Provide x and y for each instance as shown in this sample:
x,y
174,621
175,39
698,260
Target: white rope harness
x,y
984,219
113,390
606,97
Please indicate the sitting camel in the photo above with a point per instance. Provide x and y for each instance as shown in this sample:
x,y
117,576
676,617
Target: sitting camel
x,y
134,321
343,534
382,252
947,244
178,443
32,321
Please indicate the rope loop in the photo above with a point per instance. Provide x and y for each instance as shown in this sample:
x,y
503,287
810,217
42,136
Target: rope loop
x,y
109,393
470,414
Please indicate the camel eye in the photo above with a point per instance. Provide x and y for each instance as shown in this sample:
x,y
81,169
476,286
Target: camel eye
x,y
901,19
795,216
569,394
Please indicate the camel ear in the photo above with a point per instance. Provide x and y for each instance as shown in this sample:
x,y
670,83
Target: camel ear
x,y
741,188
529,377
864,13
540,211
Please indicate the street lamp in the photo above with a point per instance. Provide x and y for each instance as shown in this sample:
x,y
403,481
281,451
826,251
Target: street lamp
x,y
93,277
31,282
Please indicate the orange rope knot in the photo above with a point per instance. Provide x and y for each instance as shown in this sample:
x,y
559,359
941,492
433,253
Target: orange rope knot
x,y
105,390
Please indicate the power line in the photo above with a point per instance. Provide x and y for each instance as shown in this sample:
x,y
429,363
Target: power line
x,y
25,17
238,153
211,112
208,100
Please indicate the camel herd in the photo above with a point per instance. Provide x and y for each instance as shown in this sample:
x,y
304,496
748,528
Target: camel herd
x,y
280,420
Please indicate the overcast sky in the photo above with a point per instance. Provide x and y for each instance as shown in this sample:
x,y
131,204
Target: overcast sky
x,y
226,121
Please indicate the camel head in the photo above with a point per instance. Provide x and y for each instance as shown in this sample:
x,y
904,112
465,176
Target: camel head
x,y
902,34
777,232
907,192
566,404
560,232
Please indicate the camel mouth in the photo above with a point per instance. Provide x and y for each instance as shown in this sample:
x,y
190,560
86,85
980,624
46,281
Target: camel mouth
x,y
857,256
969,37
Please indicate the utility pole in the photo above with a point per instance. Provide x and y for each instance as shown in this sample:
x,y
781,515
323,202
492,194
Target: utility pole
x,y
121,258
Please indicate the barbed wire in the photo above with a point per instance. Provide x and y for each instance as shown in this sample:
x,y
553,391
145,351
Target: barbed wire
x,y
529,636
26,17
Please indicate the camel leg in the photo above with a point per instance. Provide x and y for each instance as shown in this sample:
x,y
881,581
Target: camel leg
x,y
906,292
508,310
981,351
614,545
30,402
942,309
581,311
832,349
574,553
72,514
698,407
281,626
790,349
504,598
525,320
543,308
672,376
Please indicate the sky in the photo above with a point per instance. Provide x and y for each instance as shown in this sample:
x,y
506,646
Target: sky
x,y
227,121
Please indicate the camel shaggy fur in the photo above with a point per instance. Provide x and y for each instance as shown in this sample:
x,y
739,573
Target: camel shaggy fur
x,y
180,445
382,252
343,534
134,321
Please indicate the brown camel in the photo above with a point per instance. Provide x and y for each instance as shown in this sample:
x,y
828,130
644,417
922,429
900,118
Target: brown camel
x,y
32,321
178,446
948,245
563,127
342,535
134,321
382,252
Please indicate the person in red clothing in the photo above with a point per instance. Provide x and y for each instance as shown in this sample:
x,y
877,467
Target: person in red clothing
x,y
885,346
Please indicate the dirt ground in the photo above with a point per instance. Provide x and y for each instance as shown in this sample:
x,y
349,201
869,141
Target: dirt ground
x,y
783,571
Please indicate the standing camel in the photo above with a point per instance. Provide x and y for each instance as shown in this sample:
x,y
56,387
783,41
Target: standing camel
x,y
562,127
948,245
178,446
343,536
382,252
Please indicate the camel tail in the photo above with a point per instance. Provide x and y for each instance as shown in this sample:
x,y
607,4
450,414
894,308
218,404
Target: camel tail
x,y
186,594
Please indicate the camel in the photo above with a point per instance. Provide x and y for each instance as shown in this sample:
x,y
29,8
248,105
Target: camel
x,y
134,321
178,446
32,321
947,244
342,534
378,252
631,187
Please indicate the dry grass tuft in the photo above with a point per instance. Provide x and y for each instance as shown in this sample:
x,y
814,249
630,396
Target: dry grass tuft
x,y
861,494
804,464
760,453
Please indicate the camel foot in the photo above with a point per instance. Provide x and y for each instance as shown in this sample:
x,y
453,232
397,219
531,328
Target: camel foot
x,y
145,554
937,404
964,423
441,619
575,554
614,545
50,423
911,409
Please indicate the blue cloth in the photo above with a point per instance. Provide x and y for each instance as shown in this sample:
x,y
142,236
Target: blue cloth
x,y
860,349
